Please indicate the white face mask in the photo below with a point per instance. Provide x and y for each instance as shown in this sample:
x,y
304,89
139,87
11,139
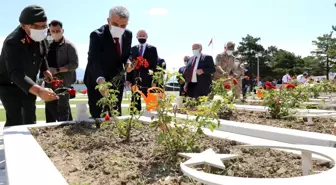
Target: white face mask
x,y
117,31
57,36
38,35
229,52
196,52
50,38
185,63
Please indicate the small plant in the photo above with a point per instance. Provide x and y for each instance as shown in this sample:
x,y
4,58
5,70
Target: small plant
x,y
224,89
281,102
109,103
181,135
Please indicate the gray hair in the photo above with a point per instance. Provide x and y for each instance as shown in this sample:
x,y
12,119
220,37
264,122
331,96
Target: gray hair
x,y
199,44
121,11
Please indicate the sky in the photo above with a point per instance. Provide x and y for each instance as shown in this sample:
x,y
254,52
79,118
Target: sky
x,y
174,25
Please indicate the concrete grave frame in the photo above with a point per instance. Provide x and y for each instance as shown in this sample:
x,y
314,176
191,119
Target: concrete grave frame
x,y
26,159
327,177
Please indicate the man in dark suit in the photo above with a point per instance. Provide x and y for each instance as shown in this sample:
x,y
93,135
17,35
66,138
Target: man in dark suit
x,y
141,76
181,71
23,56
198,73
108,55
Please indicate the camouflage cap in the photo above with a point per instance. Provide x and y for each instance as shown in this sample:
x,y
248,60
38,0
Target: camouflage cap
x,y
230,45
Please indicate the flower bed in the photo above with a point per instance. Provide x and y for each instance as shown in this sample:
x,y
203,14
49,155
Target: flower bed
x,y
321,125
85,154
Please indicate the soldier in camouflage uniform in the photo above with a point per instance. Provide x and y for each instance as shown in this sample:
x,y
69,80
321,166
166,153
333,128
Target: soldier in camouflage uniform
x,y
225,62
228,65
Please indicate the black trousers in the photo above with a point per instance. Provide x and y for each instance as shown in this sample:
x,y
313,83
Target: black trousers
x,y
58,110
94,96
50,118
20,108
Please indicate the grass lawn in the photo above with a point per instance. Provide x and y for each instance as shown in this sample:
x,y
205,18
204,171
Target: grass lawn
x,y
40,115
81,99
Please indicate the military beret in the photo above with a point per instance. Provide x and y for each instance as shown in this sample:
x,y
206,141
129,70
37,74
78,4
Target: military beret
x,y
32,14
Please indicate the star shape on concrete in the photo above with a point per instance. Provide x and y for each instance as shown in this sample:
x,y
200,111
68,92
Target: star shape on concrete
x,y
208,157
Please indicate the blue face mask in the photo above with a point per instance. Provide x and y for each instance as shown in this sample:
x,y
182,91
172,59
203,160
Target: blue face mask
x,y
196,52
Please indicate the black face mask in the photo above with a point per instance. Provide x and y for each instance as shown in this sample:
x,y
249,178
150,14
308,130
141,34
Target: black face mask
x,y
142,41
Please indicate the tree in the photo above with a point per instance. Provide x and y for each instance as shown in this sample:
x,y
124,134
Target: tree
x,y
325,51
248,50
313,66
285,61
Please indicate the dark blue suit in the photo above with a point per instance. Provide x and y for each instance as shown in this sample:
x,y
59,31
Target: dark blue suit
x,y
181,71
104,61
203,85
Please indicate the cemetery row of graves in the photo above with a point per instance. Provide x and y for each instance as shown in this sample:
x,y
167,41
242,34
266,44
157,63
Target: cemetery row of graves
x,y
145,147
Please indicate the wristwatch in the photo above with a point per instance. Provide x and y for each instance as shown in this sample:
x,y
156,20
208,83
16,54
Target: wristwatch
x,y
58,70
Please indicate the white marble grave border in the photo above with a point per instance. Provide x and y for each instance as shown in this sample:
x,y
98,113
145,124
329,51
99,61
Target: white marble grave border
x,y
26,159
326,177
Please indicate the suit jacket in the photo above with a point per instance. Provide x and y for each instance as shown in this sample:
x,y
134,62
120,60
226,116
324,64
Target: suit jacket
x,y
103,58
151,55
21,59
204,80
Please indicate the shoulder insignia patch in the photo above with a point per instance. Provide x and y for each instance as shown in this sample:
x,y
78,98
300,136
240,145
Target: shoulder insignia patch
x,y
23,41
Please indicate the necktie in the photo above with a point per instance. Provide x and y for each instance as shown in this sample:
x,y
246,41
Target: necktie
x,y
141,50
116,39
192,69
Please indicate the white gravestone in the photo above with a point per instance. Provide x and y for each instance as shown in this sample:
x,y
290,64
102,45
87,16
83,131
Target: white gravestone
x,y
82,114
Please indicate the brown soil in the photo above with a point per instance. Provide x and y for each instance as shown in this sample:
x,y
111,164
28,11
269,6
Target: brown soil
x,y
321,125
86,155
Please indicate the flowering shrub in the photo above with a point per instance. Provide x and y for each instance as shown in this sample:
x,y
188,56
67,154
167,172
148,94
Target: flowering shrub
x,y
281,102
109,102
225,88
181,135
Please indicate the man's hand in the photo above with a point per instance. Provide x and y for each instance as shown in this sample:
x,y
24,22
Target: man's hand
x,y
199,71
103,92
185,87
129,67
153,84
53,70
47,94
128,84
47,75
100,81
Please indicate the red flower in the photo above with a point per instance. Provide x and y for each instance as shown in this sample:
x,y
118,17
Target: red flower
x,y
227,85
290,86
107,117
60,82
54,83
247,78
146,64
269,85
84,91
235,81
72,91
138,65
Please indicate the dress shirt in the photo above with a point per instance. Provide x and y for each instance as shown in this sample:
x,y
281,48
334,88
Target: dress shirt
x,y
194,75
